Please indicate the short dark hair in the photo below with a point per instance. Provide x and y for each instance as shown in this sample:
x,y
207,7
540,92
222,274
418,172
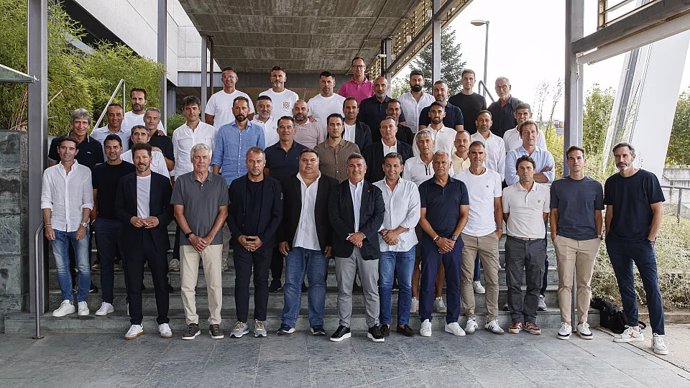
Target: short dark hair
x,y
276,68
466,71
338,115
416,72
137,127
326,74
436,103
289,118
392,155
140,90
264,98
240,98
356,58
356,155
308,151
228,68
477,143
525,158
392,101
67,138
525,123
574,148
350,99
141,146
255,150
523,105
485,111
115,104
191,100
112,137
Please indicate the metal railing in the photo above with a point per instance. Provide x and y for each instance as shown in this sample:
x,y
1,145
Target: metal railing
x,y
678,203
37,281
112,97
481,86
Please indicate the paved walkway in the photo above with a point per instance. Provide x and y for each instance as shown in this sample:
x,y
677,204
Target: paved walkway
x,y
480,360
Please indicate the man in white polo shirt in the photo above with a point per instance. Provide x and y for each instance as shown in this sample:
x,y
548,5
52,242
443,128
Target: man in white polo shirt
x,y
525,208
283,99
326,102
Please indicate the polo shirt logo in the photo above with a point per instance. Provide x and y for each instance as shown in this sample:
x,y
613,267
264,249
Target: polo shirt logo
x,y
286,104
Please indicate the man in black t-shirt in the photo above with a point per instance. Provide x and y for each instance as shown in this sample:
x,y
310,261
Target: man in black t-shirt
x,y
634,211
105,178
469,102
159,141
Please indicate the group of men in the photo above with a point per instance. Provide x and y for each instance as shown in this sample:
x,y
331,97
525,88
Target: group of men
x,y
414,190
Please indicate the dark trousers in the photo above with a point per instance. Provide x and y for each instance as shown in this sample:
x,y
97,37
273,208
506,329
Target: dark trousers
x,y
623,254
247,262
176,244
107,233
544,279
431,260
524,258
276,264
141,252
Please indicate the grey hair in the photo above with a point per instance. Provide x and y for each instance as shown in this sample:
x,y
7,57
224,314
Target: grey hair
x,y
198,147
423,133
79,113
152,109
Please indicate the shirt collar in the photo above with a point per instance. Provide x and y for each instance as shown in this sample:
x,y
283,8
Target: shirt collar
x,y
355,187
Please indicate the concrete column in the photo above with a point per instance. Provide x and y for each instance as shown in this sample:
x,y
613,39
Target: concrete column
x,y
204,73
436,42
162,57
574,30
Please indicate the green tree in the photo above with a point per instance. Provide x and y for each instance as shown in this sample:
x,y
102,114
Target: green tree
x,y
595,119
451,63
680,133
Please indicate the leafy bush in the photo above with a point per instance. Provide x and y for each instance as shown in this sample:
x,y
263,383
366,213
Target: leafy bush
x,y
174,121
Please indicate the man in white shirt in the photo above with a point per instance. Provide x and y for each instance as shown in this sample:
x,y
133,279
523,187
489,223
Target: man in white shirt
x,y
326,102
141,135
398,241
265,118
415,100
460,158
283,99
511,138
115,115
444,137
480,236
192,132
495,155
219,107
66,202
525,209
137,97
307,132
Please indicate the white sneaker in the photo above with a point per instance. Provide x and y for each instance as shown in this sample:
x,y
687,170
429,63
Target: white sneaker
x,y
174,265
454,329
583,331
439,306
106,308
414,306
425,330
83,309
541,304
259,328
564,331
494,327
471,326
66,307
658,344
134,332
164,330
478,288
629,335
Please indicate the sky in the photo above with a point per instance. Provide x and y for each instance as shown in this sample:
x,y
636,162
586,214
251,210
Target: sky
x,y
527,45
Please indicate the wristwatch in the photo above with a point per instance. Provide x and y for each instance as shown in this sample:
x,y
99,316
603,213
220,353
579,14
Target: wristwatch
x,y
187,235
454,237
84,224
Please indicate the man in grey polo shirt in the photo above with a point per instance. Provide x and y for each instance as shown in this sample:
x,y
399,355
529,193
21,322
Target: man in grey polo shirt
x,y
200,201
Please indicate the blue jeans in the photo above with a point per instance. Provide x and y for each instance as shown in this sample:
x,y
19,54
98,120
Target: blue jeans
x,y
623,254
61,252
400,264
298,262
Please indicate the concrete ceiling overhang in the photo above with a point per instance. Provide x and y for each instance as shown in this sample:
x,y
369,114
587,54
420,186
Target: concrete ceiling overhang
x,y
302,36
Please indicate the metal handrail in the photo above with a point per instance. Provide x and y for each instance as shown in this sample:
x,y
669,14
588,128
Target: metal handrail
x,y
37,281
486,90
680,198
105,110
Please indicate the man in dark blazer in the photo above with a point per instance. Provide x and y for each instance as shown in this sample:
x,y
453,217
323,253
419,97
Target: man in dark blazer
x,y
142,204
362,132
305,241
357,210
375,153
255,210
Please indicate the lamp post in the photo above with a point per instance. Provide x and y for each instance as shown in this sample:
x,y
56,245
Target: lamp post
x,y
479,23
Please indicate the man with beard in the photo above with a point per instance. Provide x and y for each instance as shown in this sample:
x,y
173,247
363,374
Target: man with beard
x,y
283,99
453,118
443,136
307,132
234,140
356,131
220,107
137,97
265,118
634,210
503,110
415,100
469,102
373,109
460,158
511,138
326,102
333,152
157,162
115,113
495,158
142,204
255,211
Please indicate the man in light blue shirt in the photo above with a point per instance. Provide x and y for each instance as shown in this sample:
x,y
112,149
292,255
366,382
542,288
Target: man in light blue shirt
x,y
234,140
544,170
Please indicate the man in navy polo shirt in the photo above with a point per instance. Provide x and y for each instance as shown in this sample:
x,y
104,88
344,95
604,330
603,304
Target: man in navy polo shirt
x,y
444,213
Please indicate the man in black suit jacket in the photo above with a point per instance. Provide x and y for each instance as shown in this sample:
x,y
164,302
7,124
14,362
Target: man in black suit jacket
x,y
375,153
255,210
305,241
362,131
145,236
357,210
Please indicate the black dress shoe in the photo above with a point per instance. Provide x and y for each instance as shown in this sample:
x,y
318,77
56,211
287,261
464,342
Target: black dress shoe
x,y
385,330
374,334
275,286
341,334
405,330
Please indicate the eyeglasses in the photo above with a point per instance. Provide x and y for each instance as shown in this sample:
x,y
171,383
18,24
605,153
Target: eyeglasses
x,y
359,66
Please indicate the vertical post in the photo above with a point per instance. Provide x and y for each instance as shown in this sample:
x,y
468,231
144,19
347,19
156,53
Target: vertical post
x,y
162,57
37,136
486,58
387,43
436,42
574,30
204,74
210,81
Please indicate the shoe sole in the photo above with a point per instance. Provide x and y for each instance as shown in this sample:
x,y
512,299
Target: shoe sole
x,y
166,336
585,337
625,341
259,335
371,337
192,337
533,332
661,353
495,332
235,335
103,314
217,337
282,332
563,337
134,337
461,334
342,337
514,331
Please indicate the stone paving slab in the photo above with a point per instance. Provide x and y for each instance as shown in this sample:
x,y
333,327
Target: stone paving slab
x,y
301,360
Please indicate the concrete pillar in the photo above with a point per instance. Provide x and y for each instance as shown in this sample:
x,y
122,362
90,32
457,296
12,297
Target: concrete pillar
x,y
574,30
162,53
436,42
204,73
